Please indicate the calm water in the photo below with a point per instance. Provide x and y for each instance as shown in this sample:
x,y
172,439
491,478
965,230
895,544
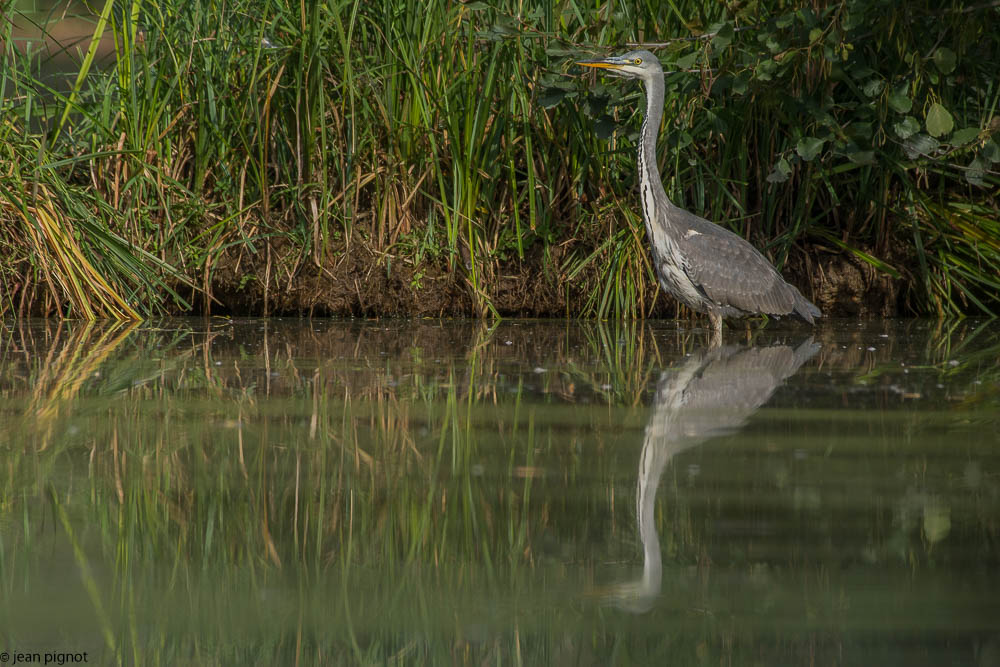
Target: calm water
x,y
273,492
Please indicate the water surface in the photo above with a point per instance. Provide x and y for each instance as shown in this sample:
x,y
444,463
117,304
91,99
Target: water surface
x,y
271,492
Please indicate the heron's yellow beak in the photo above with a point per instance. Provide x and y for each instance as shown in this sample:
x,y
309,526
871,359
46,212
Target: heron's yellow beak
x,y
602,64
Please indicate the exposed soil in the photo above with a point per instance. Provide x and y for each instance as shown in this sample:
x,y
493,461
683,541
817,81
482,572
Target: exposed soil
x,y
847,286
363,284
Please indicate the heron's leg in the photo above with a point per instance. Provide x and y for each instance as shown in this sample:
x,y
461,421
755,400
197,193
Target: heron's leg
x,y
716,320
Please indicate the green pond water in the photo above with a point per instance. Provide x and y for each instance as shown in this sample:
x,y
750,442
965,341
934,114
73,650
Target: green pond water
x,y
248,492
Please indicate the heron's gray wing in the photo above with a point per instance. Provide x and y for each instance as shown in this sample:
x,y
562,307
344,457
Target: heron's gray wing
x,y
731,272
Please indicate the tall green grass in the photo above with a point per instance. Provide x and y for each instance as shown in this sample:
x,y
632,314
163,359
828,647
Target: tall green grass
x,y
247,147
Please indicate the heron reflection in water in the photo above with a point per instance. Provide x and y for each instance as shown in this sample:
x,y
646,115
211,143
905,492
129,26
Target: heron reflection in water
x,y
711,394
702,265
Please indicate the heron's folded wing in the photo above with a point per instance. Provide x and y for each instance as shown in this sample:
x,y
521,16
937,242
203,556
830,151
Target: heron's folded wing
x,y
733,273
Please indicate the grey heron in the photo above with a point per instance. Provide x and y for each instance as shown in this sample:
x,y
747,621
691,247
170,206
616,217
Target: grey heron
x,y
703,265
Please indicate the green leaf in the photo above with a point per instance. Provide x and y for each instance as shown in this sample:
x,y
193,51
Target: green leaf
x,y
724,34
991,151
976,171
854,19
681,139
765,70
687,61
939,121
782,170
815,34
808,148
907,127
900,102
551,97
962,137
873,87
604,128
944,58
920,144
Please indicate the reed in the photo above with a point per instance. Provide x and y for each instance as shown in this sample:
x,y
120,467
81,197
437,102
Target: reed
x,y
238,155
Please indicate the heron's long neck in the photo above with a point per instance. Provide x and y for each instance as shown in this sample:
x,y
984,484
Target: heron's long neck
x,y
650,185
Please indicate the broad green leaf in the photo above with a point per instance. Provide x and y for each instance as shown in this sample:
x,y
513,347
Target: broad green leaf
x,y
604,128
873,87
860,71
944,58
782,170
920,144
724,34
991,151
962,137
907,127
687,61
815,34
551,97
976,171
900,102
808,148
854,19
765,70
939,121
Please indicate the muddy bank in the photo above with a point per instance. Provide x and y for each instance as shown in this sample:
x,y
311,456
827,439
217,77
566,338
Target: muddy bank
x,y
363,284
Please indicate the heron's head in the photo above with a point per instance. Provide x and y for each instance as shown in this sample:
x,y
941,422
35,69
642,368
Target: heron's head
x,y
632,65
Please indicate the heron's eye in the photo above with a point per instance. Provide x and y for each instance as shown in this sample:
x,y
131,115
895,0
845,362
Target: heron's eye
x,y
637,61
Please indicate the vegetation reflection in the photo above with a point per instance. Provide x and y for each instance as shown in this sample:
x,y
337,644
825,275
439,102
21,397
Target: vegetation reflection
x,y
263,492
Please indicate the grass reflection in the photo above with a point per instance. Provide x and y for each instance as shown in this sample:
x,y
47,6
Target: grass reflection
x,y
416,493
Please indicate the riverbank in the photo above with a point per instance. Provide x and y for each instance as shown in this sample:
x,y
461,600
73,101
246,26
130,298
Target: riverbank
x,y
360,284
369,161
